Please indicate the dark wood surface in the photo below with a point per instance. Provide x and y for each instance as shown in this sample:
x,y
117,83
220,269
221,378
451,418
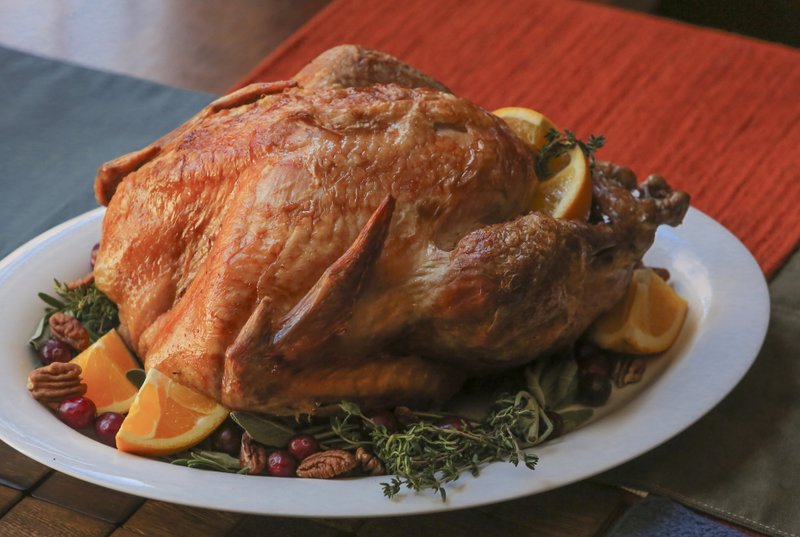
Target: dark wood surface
x,y
208,45
37,501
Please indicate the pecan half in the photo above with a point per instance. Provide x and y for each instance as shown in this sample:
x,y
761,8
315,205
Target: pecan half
x,y
68,329
628,370
252,456
327,464
55,382
370,464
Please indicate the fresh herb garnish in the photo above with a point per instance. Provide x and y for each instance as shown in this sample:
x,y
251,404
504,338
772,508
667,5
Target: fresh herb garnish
x,y
559,143
87,303
426,456
210,460
270,432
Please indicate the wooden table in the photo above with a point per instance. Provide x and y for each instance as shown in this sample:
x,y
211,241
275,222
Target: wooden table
x,y
208,45
35,500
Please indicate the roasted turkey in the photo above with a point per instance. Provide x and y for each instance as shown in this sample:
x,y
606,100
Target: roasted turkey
x,y
357,232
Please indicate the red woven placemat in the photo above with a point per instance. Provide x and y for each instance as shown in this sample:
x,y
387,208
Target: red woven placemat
x,y
717,114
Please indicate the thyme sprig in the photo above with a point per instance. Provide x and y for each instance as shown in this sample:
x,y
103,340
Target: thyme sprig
x,y
87,303
559,143
426,456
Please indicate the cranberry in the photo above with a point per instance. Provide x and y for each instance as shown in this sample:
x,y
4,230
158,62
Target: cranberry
x,y
594,389
106,426
55,350
386,419
452,422
93,258
593,360
280,463
77,412
302,445
228,438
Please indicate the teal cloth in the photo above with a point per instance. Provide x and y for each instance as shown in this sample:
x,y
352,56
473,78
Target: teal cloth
x,y
659,517
741,462
59,122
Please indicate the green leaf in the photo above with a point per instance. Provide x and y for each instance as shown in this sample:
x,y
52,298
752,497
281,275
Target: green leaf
x,y
50,301
351,408
218,458
209,460
567,384
533,381
263,430
546,379
559,143
569,396
136,376
555,378
93,336
41,334
88,304
575,418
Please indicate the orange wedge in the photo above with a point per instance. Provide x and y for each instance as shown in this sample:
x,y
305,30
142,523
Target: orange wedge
x,y
528,124
167,417
647,320
567,192
103,368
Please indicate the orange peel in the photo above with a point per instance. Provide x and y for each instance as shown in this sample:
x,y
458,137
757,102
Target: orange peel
x,y
567,193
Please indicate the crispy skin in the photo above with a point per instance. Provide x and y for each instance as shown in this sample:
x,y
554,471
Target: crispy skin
x,y
356,233
520,289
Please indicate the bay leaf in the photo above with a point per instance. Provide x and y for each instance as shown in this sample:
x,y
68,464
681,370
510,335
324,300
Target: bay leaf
x,y
263,430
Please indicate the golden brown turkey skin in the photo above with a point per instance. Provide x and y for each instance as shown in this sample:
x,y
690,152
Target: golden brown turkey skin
x,y
519,289
358,233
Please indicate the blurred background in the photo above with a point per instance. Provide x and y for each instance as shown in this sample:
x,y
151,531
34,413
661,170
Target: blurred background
x,y
210,44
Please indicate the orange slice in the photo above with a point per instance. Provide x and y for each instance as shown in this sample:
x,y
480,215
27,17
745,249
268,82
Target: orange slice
x,y
567,192
167,417
103,368
647,320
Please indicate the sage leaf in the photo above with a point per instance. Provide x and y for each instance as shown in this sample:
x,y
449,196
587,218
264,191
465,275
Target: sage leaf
x,y
217,457
41,334
575,418
533,381
556,378
263,430
566,387
210,460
